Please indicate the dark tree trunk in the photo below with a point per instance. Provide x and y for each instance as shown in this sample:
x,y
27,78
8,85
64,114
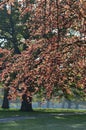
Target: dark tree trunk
x,y
26,104
5,103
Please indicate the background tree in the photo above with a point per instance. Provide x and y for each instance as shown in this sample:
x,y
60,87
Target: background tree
x,y
12,33
3,58
12,28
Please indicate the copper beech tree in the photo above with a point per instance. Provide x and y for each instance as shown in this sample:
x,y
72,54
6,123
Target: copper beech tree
x,y
55,59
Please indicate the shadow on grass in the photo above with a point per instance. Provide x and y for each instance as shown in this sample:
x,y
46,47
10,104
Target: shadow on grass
x,y
77,122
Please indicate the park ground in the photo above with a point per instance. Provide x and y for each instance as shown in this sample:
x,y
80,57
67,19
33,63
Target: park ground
x,y
44,119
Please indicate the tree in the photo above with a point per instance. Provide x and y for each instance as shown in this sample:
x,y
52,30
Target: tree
x,y
12,28
64,24
4,53
52,61
12,31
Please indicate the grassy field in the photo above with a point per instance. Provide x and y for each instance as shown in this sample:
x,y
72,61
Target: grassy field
x,y
48,119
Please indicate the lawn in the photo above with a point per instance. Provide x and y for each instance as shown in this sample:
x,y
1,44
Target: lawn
x,y
45,120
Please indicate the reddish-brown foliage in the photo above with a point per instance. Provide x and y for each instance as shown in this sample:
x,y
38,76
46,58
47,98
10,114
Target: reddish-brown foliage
x,y
55,58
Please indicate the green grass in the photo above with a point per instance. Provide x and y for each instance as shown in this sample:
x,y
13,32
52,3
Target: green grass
x,y
45,119
60,110
14,112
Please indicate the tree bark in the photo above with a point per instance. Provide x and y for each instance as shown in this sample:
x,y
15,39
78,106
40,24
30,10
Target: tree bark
x,y
5,103
26,104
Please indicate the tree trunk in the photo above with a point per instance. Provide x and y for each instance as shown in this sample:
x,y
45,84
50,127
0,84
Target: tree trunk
x,y
76,105
48,103
26,104
69,104
5,103
63,104
39,104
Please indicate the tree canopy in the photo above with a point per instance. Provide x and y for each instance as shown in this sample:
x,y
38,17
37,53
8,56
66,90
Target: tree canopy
x,y
55,58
